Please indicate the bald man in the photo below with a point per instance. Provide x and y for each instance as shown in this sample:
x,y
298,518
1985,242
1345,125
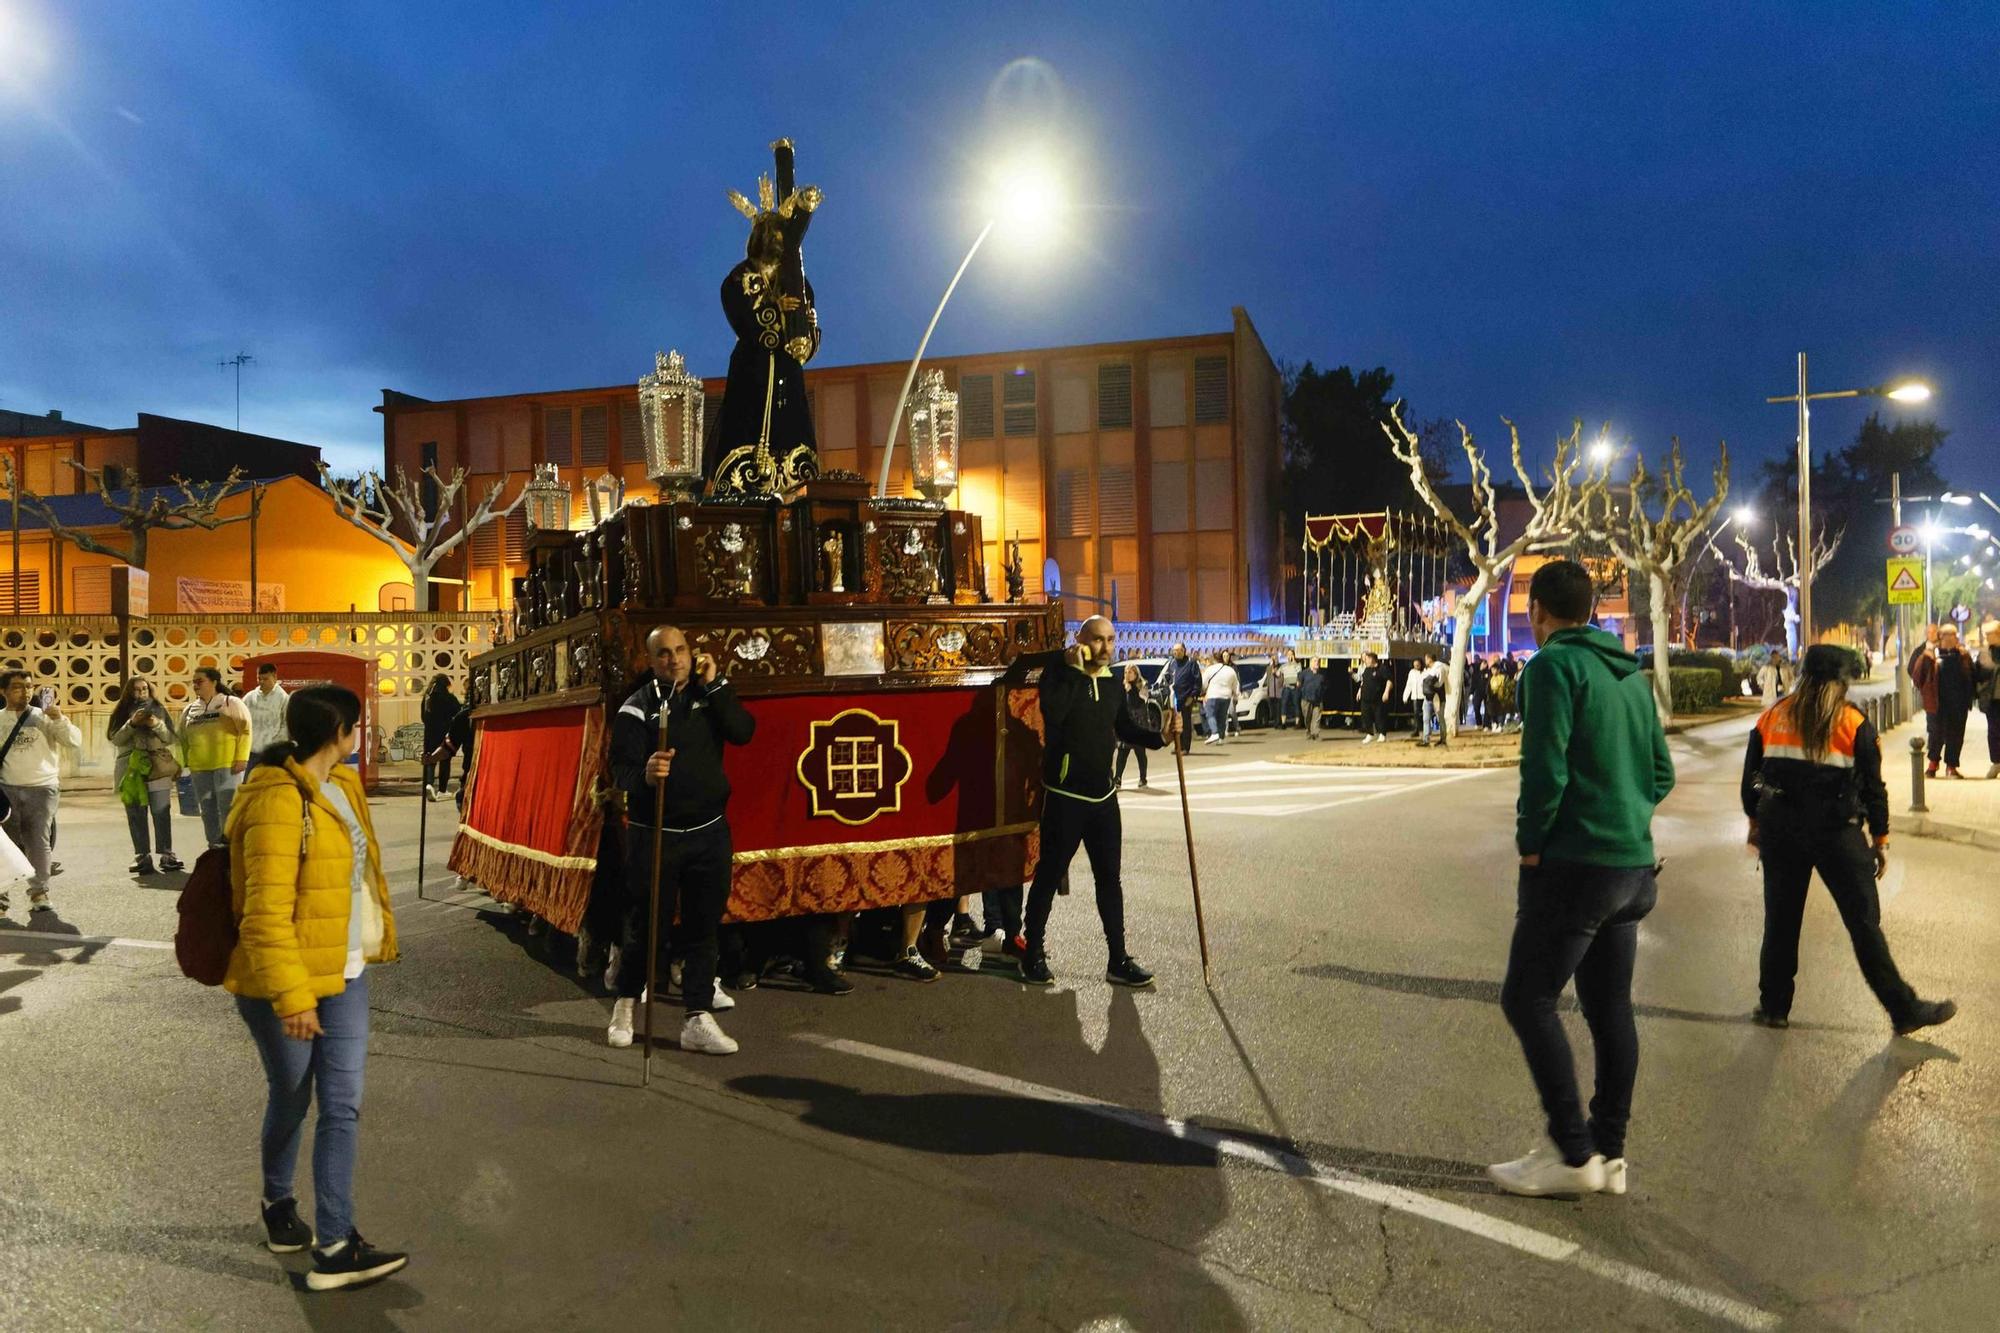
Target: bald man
x,y
1083,719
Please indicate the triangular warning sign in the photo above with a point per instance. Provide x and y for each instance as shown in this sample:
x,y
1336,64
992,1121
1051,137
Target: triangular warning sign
x,y
1905,581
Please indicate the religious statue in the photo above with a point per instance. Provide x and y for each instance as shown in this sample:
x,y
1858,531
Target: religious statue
x,y
1017,579
766,444
1376,605
836,573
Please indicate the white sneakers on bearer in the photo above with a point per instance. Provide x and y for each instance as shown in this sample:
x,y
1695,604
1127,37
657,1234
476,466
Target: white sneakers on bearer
x,y
701,1033
620,1031
1543,1174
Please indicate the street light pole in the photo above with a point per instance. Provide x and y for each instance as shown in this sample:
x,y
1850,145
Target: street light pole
x,y
896,416
1805,560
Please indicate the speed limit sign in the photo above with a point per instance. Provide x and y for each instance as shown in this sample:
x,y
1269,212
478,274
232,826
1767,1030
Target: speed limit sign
x,y
1903,539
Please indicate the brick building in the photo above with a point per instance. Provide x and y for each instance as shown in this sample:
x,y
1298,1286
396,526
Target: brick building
x,y
1150,464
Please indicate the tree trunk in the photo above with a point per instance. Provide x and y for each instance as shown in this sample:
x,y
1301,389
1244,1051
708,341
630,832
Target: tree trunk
x,y
420,584
1791,622
1663,646
1462,617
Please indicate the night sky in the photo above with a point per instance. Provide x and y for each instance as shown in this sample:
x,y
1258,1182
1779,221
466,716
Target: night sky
x,y
1629,217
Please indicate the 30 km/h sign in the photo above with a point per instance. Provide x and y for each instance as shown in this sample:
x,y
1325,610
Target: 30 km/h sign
x,y
1906,582
1903,539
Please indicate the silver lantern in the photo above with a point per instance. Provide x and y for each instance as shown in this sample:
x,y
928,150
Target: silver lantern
x,y
934,436
670,411
548,500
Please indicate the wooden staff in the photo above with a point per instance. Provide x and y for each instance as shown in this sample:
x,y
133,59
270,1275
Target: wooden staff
x,y
653,914
1194,875
423,827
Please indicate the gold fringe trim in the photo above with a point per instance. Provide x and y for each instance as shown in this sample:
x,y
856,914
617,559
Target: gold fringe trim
x,y
528,853
892,845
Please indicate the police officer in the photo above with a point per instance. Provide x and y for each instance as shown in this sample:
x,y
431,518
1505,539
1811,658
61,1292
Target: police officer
x,y
703,715
1083,719
1812,779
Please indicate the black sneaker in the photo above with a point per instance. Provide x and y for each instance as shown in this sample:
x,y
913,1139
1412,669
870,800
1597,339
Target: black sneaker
x,y
355,1264
913,966
1127,972
745,980
827,981
965,932
1926,1014
1035,969
1764,1020
169,863
141,865
285,1231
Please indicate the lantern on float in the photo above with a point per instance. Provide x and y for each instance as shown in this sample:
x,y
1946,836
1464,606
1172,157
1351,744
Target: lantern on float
x,y
671,402
547,504
934,436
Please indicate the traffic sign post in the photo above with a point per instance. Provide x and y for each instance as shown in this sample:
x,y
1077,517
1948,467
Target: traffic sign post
x,y
1906,581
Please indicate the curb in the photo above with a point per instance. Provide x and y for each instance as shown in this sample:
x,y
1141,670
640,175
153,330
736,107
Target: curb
x,y
1923,826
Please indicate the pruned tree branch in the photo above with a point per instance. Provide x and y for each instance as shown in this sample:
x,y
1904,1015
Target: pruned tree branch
x,y
137,513
379,507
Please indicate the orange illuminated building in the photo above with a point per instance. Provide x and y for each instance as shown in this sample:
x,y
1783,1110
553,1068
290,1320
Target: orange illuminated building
x,y
1150,464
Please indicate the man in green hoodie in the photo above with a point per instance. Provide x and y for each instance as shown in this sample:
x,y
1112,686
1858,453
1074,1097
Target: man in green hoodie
x,y
1594,763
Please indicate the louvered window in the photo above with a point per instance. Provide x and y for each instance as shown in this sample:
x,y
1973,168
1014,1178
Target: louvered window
x,y
90,590
1211,389
631,434
21,593
1017,403
1069,503
596,437
1117,500
1114,397
556,447
975,407
517,537
486,546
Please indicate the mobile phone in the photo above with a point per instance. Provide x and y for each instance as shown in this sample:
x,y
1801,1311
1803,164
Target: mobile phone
x,y
44,697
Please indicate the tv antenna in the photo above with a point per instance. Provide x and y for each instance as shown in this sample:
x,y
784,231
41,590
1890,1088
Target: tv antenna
x,y
240,360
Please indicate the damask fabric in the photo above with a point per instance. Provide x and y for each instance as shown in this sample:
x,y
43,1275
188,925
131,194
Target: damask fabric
x,y
530,830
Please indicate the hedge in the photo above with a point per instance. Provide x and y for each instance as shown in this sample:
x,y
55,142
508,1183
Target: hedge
x,y
1696,689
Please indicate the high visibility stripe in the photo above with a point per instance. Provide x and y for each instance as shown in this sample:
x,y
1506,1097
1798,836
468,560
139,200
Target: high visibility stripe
x,y
1782,739
1830,759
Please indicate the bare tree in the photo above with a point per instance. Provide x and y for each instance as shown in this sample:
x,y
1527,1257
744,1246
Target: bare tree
x,y
1657,547
1784,574
138,512
387,509
1558,512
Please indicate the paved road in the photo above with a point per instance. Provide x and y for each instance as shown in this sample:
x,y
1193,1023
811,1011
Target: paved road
x,y
1299,1149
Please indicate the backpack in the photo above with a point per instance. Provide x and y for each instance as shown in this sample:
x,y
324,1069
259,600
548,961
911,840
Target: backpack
x,y
1433,687
207,933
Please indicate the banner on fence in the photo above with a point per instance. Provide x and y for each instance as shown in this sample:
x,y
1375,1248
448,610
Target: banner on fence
x,y
211,597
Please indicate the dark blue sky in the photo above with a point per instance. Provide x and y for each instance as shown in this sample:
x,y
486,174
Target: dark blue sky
x,y
1626,214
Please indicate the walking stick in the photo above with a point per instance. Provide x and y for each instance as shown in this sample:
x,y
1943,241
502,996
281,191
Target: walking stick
x,y
653,913
423,832
1194,875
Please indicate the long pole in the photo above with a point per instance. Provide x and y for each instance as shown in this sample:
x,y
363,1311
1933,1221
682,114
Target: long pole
x,y
1805,561
896,417
1194,875
256,503
1902,612
14,597
653,913
423,820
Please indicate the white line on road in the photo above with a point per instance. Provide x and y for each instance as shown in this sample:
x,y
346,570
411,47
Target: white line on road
x,y
1527,1240
1195,798
77,941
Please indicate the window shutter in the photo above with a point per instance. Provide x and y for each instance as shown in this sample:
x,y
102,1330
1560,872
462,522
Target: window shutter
x,y
596,437
517,537
1211,389
631,434
1018,403
975,407
486,546
1117,499
21,593
90,592
1114,397
555,437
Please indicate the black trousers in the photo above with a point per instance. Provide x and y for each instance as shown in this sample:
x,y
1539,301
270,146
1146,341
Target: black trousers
x,y
1791,850
1993,733
1187,711
694,880
1124,751
1068,823
1371,716
1945,729
1581,921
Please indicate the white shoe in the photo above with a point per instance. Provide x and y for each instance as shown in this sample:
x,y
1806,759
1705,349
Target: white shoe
x,y
1614,1176
611,967
702,1033
722,999
1367,740
620,1032
1543,1173
1381,739
673,976
971,959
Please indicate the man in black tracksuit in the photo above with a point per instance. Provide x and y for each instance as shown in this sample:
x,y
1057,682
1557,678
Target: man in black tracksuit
x,y
703,715
1083,720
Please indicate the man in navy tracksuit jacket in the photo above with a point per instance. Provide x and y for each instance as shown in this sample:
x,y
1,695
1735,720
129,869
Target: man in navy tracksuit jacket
x,y
1083,719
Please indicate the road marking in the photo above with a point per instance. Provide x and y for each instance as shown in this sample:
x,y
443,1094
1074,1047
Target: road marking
x,y
77,941
1369,792
1527,1240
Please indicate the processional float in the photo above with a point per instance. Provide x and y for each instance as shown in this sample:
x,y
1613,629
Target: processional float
x,y
1374,583
891,763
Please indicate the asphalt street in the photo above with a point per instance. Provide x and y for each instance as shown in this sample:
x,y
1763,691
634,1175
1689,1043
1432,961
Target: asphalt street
x,y
1299,1148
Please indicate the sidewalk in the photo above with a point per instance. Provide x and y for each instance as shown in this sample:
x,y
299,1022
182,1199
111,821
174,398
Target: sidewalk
x,y
1967,811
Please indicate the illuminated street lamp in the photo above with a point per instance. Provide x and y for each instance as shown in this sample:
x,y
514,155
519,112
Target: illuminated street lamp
x,y
1027,200
1901,391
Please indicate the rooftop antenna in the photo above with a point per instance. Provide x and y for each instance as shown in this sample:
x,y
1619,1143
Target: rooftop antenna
x,y
240,360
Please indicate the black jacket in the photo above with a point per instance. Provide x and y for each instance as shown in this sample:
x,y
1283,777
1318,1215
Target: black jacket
x,y
440,707
1819,796
700,721
1083,719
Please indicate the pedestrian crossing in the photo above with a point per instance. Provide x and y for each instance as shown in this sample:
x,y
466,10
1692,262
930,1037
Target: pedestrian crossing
x,y
1263,789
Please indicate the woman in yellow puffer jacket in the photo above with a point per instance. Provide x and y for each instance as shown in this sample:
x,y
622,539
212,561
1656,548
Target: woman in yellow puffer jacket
x,y
313,912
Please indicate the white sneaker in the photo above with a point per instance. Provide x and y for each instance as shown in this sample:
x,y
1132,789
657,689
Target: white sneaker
x,y
1543,1173
723,999
611,967
702,1033
1367,740
1381,739
1614,1176
620,1031
673,976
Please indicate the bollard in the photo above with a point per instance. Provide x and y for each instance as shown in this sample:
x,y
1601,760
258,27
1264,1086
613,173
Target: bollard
x,y
1917,805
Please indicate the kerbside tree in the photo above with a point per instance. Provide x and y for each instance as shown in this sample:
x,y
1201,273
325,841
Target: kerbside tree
x,y
139,509
1784,574
385,510
1560,508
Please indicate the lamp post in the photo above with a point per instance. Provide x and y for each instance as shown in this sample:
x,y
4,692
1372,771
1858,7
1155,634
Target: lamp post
x,y
1743,516
1903,391
1026,200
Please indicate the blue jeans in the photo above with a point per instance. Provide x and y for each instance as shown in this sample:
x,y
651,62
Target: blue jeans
x,y
1432,718
1581,921
214,789
1217,713
291,1067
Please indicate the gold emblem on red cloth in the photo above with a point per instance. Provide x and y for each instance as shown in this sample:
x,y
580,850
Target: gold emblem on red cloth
x,y
854,766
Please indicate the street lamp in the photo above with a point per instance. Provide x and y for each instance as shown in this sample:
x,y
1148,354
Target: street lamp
x,y
1742,516
1026,200
1901,391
